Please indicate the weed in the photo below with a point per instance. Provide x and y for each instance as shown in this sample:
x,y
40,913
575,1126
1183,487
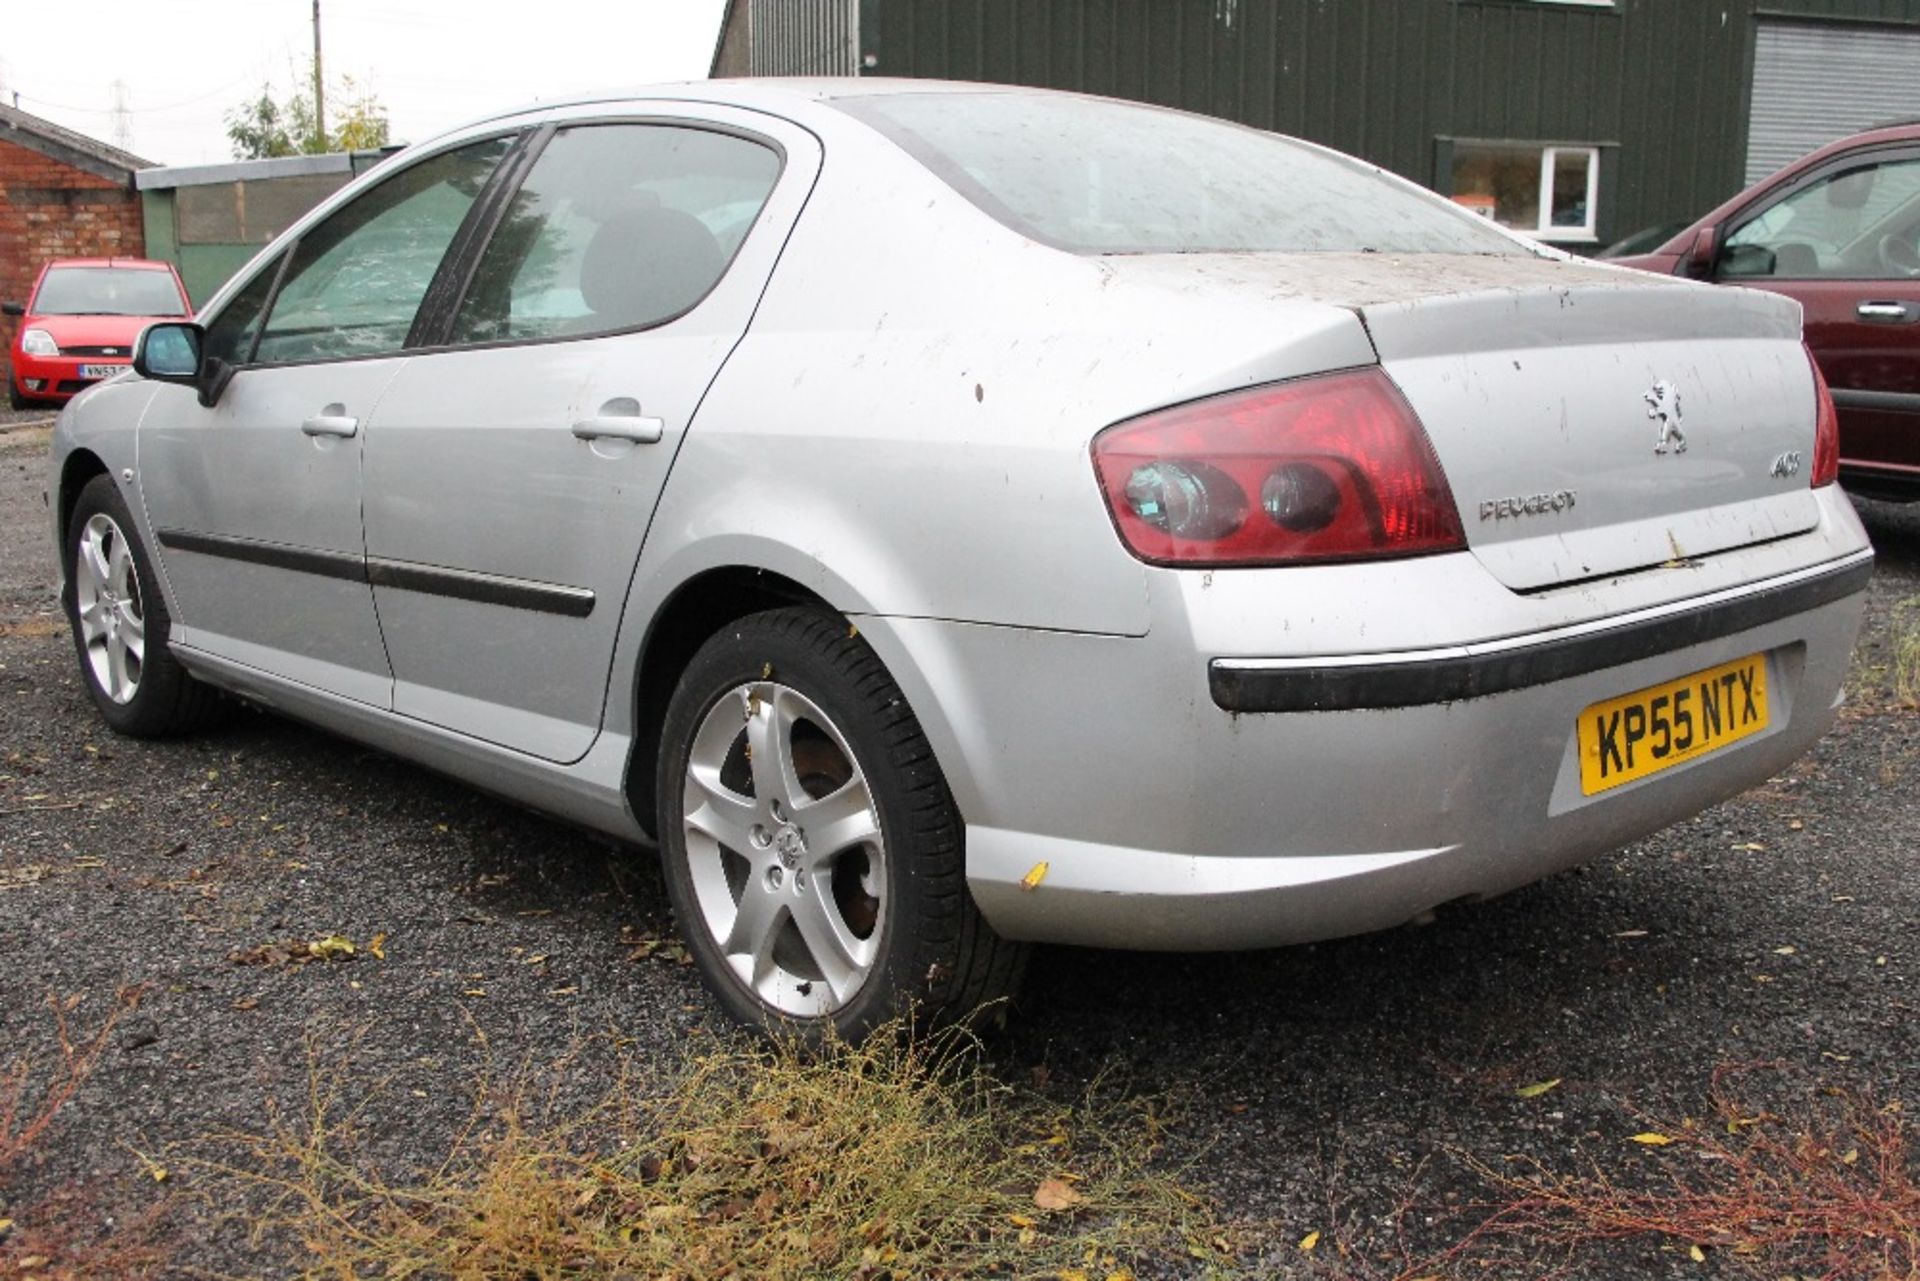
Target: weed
x,y
28,1104
1828,1188
900,1157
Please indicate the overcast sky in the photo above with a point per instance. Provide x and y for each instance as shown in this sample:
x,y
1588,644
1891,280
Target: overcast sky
x,y
433,63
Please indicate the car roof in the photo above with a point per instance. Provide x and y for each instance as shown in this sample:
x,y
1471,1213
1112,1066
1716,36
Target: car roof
x,y
135,264
762,92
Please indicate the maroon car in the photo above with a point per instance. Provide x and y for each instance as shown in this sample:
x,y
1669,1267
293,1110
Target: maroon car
x,y
1839,231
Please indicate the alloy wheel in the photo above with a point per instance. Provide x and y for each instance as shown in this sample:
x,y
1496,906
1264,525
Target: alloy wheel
x,y
784,849
107,597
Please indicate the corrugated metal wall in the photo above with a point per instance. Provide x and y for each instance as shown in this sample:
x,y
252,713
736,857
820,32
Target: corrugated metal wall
x,y
803,37
1664,83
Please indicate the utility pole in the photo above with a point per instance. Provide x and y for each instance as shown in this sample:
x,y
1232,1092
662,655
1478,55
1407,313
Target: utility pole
x,y
319,82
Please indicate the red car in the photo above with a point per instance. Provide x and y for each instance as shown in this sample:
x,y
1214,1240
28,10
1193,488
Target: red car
x,y
1839,231
79,324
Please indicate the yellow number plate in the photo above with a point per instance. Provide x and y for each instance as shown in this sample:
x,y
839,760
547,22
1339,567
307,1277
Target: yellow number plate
x,y
1658,727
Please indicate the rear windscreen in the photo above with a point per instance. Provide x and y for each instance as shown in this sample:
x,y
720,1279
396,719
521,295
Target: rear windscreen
x,y
1100,177
108,291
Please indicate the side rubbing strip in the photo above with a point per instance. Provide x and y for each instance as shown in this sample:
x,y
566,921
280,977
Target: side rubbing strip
x,y
488,589
301,560
461,584
1247,686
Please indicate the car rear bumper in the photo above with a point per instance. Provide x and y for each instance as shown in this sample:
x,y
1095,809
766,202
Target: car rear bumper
x,y
1474,671
1112,801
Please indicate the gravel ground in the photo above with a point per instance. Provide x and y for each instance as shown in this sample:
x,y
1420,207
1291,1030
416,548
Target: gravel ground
x,y
1325,1084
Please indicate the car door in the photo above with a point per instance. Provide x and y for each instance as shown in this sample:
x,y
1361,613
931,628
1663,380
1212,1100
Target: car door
x,y
255,500
511,475
1844,240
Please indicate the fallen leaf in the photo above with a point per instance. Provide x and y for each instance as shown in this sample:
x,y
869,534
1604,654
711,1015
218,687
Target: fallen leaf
x,y
1788,950
1036,874
6,1226
1055,1194
1020,1220
1653,1139
1310,1240
1697,1254
334,947
1853,1154
377,946
1071,1274
1535,1090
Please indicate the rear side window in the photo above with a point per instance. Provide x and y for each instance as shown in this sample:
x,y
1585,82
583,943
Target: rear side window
x,y
358,278
616,227
1099,177
108,291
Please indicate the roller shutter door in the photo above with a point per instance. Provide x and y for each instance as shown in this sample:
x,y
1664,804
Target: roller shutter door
x,y
1813,84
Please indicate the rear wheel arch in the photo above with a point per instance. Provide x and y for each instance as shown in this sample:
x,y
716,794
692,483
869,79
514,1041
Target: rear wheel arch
x,y
695,611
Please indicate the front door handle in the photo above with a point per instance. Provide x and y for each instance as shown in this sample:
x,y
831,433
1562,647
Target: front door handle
x,y
331,421
1882,311
621,419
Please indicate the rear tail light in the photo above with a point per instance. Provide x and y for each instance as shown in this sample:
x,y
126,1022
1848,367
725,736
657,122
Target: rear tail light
x,y
1826,429
1333,467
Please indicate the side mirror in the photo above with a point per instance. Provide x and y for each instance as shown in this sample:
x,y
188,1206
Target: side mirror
x,y
174,351
169,352
1701,254
13,309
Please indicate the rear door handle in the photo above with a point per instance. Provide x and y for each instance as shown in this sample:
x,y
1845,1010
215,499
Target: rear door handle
x,y
621,419
1881,311
331,421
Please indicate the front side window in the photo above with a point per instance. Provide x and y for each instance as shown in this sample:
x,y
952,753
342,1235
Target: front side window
x,y
1099,177
1548,193
357,279
616,227
1861,222
108,291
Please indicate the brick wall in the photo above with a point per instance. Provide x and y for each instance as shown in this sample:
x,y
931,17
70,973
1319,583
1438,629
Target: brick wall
x,y
52,210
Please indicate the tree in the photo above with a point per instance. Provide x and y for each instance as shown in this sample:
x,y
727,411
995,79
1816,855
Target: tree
x,y
267,126
361,124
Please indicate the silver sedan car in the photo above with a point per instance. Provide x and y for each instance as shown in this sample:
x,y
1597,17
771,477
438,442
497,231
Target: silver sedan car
x,y
943,518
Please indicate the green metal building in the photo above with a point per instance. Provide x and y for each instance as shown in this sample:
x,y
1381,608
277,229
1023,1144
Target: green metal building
x,y
1579,121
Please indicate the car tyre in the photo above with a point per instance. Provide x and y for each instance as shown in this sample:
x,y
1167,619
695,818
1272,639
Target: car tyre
x,y
821,888
15,400
120,624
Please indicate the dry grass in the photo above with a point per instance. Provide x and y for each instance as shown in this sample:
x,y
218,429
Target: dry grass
x,y
1904,648
1827,1187
898,1158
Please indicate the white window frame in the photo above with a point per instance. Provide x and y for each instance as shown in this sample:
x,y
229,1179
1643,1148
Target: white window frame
x,y
1550,154
1589,230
